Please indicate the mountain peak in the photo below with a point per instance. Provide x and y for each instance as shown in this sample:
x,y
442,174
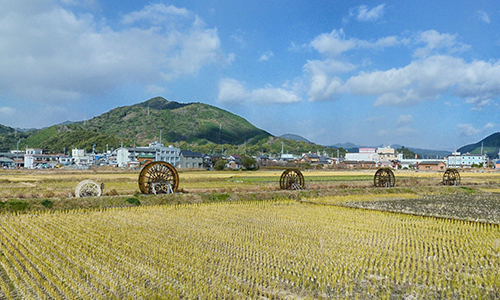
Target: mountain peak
x,y
294,137
161,103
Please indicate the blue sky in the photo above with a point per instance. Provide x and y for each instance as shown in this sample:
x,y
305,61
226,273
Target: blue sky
x,y
418,73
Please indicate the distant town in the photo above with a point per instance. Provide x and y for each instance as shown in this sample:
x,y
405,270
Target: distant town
x,y
136,157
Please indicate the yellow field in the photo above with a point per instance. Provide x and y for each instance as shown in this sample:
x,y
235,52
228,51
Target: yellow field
x,y
273,249
246,250
61,183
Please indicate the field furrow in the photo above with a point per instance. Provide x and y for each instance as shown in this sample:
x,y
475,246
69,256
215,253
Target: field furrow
x,y
268,249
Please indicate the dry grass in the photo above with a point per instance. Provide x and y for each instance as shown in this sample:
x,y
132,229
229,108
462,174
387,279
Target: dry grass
x,y
28,184
245,250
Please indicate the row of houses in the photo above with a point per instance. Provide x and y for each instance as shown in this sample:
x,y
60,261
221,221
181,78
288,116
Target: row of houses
x,y
387,157
134,157
33,158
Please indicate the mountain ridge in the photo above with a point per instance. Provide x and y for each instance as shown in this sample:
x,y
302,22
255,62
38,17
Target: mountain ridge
x,y
489,145
141,123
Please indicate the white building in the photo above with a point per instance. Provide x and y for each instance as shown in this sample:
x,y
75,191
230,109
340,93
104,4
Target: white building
x,y
364,154
168,154
81,159
457,160
35,159
386,154
127,155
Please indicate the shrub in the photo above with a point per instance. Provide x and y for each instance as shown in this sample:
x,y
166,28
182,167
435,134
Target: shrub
x,y
47,203
16,205
219,165
215,197
133,201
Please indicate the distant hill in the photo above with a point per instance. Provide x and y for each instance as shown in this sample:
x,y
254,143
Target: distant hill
x,y
9,137
177,121
428,153
294,137
490,145
194,126
141,124
346,146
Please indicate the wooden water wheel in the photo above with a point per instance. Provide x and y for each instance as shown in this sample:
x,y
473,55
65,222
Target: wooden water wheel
x,y
451,177
158,177
292,179
384,177
87,188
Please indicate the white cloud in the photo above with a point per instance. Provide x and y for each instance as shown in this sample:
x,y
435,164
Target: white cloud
x,y
266,56
231,91
467,130
405,119
239,39
428,77
7,111
435,41
335,43
324,88
269,95
483,16
470,130
159,14
476,82
51,54
297,48
329,66
370,15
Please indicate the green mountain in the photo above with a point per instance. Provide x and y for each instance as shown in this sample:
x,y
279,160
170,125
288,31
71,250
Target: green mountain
x,y
490,146
9,138
194,126
294,137
177,121
142,123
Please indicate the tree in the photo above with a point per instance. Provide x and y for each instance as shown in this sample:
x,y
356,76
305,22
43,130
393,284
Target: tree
x,y
407,153
220,164
248,162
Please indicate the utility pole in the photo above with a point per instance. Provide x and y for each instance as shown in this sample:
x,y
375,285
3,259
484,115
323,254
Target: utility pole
x,y
220,137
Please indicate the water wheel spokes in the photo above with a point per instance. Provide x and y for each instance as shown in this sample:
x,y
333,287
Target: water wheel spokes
x,y
451,177
384,177
87,188
292,179
158,177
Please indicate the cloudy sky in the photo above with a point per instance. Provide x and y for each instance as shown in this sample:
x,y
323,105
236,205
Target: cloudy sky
x,y
418,73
